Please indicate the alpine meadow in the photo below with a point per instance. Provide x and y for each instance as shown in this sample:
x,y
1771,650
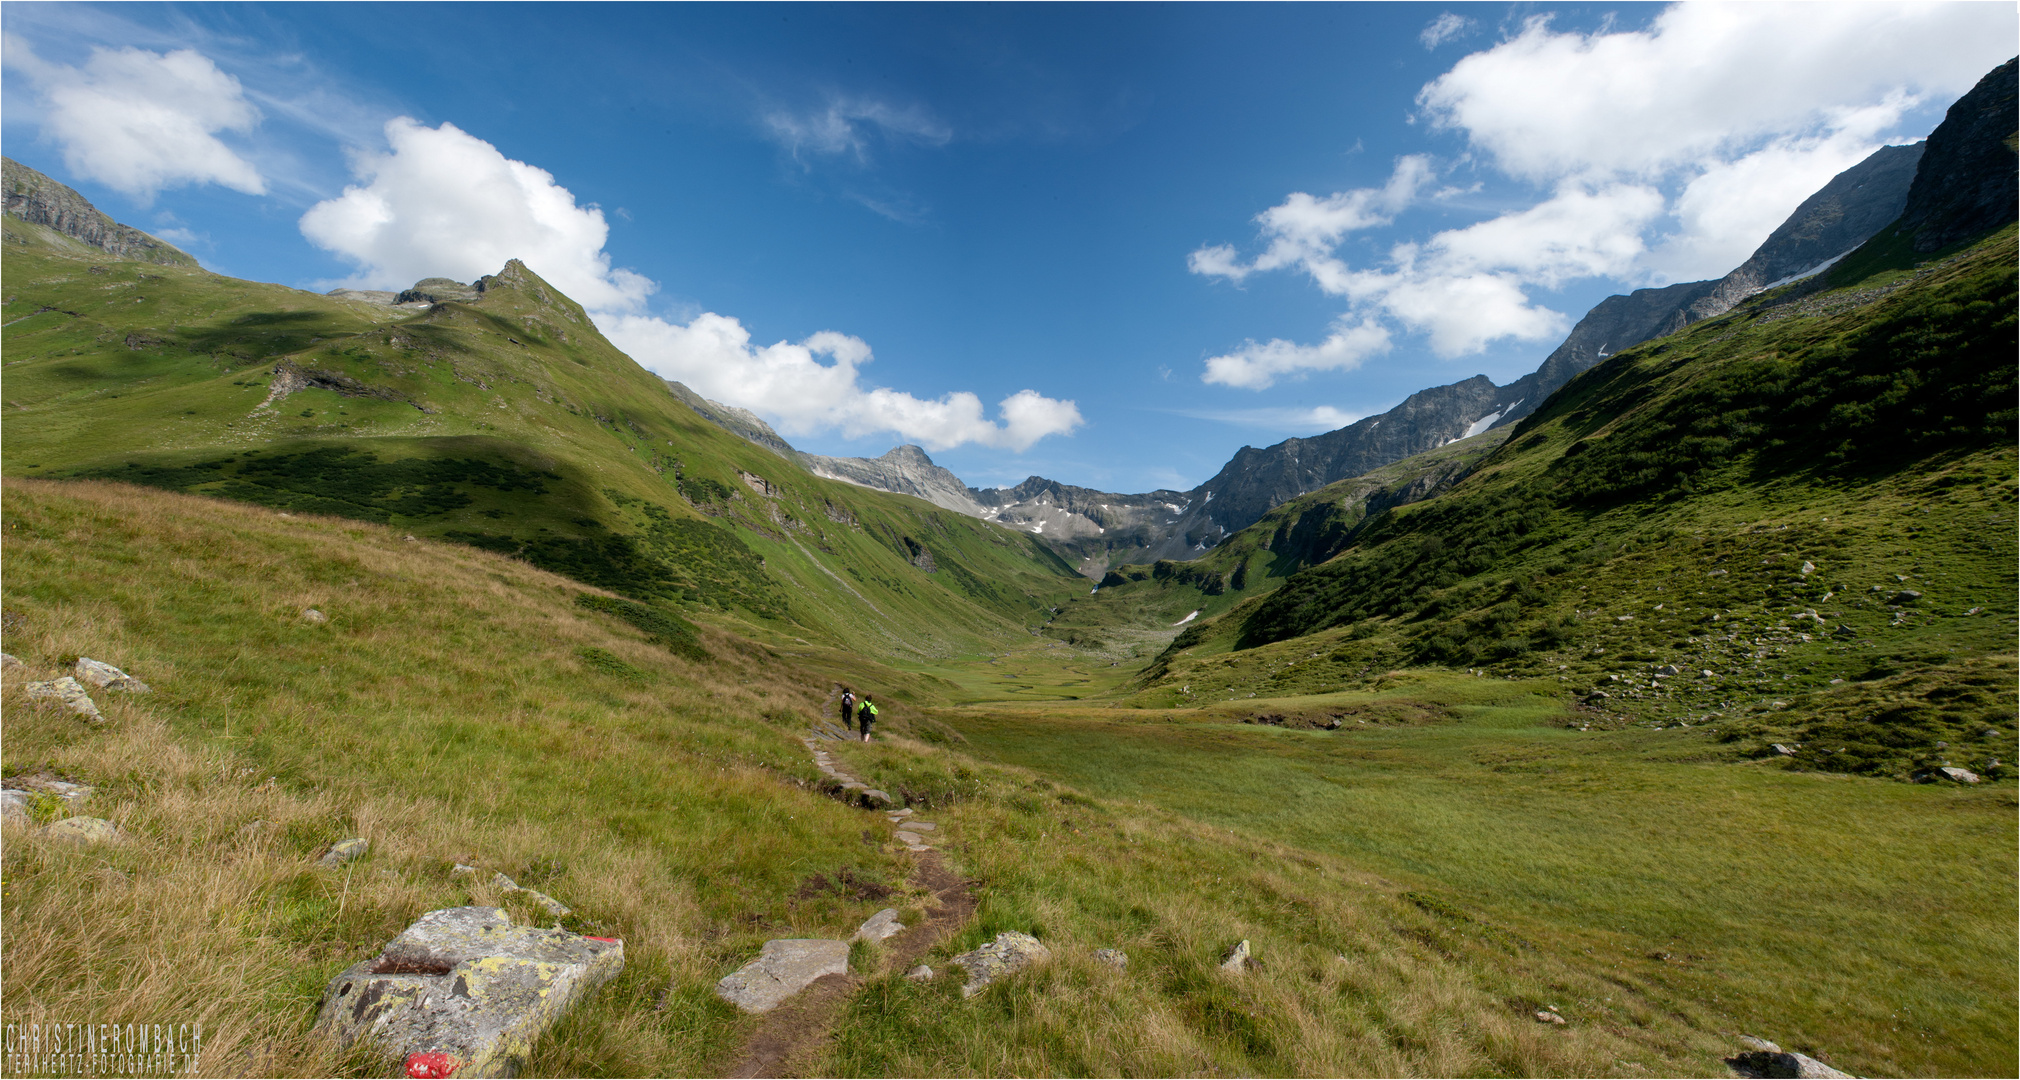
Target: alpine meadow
x,y
443,680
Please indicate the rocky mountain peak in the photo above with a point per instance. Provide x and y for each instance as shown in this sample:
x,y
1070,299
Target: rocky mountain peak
x,y
39,200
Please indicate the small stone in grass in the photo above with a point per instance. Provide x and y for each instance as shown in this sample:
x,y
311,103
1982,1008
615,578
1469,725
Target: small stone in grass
x,y
344,851
314,617
1114,958
1545,1016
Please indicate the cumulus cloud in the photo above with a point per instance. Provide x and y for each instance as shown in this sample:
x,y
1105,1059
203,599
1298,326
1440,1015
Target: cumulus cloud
x,y
1258,365
844,127
1705,81
443,203
141,121
1303,230
1444,28
1667,153
789,384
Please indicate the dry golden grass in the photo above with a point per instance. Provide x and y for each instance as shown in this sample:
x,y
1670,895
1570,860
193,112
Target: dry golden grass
x,y
444,713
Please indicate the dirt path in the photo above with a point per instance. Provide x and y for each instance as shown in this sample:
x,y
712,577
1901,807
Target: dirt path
x,y
792,1036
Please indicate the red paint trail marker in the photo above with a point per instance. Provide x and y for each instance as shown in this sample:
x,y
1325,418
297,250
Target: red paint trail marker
x,y
432,1065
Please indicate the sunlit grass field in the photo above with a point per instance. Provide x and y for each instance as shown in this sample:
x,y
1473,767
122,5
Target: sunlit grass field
x,y
1867,919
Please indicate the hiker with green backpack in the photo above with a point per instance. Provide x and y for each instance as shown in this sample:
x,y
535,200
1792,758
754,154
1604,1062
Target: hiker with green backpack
x,y
866,715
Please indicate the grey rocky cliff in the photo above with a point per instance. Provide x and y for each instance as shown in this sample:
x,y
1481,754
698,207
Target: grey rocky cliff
x,y
1968,184
739,422
38,200
905,470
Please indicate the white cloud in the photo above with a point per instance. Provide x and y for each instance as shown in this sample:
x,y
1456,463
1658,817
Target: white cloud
x,y
843,126
443,203
1303,230
1705,81
1318,418
789,385
141,121
1444,28
1257,365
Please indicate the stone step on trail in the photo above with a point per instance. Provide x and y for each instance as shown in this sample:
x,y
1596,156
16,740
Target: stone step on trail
x,y
784,967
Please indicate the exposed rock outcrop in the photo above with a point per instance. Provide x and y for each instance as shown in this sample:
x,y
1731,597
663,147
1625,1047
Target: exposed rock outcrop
x,y
38,200
1968,184
466,984
1010,953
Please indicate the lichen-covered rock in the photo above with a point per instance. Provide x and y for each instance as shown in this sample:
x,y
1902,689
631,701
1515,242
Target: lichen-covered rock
x,y
547,903
8,662
879,926
314,617
1114,958
344,851
70,693
466,983
1783,1065
1010,953
83,830
106,677
28,794
783,968
1237,958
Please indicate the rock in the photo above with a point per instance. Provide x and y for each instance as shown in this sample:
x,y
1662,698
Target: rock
x,y
314,617
879,926
1237,958
1904,596
908,837
906,812
873,795
1623,618
1706,672
1779,1064
547,903
1114,958
344,851
459,869
1761,1045
466,984
107,677
1785,751
782,969
1010,953
921,826
920,972
84,830
1545,1016
8,662
504,884
1668,669
67,691
15,806
1808,568
1962,776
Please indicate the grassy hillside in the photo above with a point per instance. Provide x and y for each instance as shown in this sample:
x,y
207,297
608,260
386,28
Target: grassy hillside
x,y
1756,523
506,423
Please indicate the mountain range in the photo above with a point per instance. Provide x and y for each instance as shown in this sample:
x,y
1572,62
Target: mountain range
x,y
1099,529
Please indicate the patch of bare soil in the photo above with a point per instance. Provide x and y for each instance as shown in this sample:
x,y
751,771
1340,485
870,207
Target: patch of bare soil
x,y
792,1036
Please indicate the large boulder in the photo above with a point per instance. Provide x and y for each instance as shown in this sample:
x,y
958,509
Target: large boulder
x,y
466,991
1010,953
783,968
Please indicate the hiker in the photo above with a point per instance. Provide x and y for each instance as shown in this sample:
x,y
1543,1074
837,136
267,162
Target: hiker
x,y
848,709
866,714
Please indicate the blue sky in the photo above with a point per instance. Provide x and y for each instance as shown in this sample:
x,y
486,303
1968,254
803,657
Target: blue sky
x,y
1104,244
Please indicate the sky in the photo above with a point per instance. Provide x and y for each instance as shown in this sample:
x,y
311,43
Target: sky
x,y
1108,245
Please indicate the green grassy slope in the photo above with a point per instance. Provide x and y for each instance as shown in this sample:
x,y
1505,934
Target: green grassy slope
x,y
1789,505
507,423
